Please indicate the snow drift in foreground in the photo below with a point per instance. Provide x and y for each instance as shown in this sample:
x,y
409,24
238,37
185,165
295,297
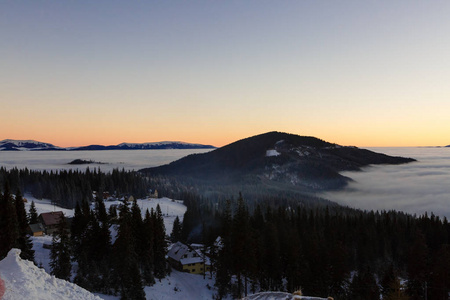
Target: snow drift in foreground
x,y
23,280
279,296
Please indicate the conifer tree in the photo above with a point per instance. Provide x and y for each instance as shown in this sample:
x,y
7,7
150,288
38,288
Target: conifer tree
x,y
240,243
175,236
23,241
33,215
364,286
224,255
159,244
9,231
112,214
388,281
146,260
60,263
127,275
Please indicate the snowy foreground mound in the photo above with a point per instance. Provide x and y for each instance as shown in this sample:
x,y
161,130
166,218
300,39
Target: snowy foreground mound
x,y
279,296
21,279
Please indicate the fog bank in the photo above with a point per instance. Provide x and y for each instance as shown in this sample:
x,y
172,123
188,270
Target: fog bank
x,y
416,188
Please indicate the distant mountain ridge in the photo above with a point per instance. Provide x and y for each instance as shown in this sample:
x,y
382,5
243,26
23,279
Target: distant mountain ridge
x,y
26,145
276,160
30,145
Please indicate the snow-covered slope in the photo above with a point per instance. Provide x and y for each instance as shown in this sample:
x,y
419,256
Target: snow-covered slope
x,y
162,145
26,145
30,145
21,279
170,208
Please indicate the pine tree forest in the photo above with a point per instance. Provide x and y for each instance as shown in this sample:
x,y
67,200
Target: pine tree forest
x,y
323,250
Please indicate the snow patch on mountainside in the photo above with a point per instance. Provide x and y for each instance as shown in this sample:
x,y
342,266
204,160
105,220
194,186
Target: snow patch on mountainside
x,y
23,280
272,152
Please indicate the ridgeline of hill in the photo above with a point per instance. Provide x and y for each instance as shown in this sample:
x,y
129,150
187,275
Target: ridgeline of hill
x,y
276,160
30,145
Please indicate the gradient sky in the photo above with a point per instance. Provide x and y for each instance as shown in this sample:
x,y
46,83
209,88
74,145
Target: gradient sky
x,y
363,73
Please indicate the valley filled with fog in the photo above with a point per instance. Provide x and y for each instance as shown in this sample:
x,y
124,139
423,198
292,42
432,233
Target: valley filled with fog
x,y
416,188
106,160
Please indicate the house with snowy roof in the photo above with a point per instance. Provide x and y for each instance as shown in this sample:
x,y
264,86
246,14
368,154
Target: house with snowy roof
x,y
185,258
50,220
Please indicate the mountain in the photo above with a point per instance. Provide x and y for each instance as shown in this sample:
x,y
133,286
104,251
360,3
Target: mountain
x,y
276,160
146,146
21,279
26,145
29,145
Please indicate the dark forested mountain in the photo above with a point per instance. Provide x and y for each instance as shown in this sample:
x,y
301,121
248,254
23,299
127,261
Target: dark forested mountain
x,y
29,145
276,159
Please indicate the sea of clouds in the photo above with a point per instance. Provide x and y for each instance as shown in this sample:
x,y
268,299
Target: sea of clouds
x,y
416,188
105,160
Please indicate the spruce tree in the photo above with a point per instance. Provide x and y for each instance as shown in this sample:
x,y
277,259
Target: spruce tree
x,y
240,242
224,255
147,257
33,215
9,231
175,236
125,263
60,263
23,241
159,244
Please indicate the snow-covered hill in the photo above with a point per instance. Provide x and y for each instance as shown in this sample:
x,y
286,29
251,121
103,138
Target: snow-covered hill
x,y
21,279
30,145
26,145
162,145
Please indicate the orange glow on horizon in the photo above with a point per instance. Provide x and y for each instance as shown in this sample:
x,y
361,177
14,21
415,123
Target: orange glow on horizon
x,y
225,138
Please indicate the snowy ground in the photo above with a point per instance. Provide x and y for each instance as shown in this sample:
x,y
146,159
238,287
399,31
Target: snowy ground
x,y
178,285
45,205
170,208
181,286
21,279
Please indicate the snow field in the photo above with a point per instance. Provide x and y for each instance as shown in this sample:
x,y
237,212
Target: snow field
x,y
23,280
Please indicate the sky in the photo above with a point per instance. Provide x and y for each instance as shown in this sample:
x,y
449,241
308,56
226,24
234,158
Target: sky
x,y
360,73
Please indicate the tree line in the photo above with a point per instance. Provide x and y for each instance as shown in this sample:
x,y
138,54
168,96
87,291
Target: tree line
x,y
66,188
271,244
324,251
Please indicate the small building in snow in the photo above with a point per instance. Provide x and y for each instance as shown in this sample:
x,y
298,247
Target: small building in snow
x,y
185,258
36,229
50,220
153,194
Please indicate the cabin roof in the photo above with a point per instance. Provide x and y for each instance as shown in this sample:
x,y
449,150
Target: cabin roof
x,y
51,218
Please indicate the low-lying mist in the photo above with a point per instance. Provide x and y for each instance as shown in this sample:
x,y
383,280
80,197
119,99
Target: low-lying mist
x,y
416,188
